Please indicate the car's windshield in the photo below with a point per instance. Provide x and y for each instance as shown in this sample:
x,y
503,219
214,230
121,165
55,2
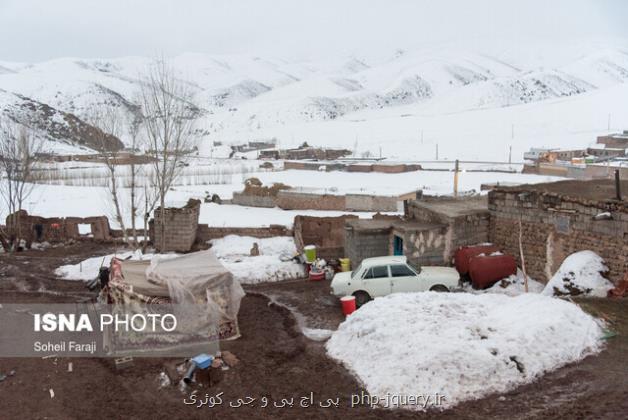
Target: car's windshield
x,y
355,272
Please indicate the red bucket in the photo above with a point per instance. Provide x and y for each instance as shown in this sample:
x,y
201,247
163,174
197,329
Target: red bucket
x,y
348,304
317,275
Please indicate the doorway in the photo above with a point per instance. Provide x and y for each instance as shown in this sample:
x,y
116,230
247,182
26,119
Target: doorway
x,y
397,245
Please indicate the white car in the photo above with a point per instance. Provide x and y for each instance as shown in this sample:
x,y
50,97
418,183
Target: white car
x,y
381,276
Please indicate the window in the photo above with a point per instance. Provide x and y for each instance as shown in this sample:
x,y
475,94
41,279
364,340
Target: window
x,y
401,270
377,272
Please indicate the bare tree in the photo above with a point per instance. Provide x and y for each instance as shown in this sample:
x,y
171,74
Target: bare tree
x,y
169,117
19,150
109,122
134,125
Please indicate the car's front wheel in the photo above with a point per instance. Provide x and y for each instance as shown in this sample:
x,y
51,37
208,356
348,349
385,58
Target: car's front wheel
x,y
439,288
361,298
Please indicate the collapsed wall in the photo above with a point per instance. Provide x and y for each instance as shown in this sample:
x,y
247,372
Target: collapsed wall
x,y
179,230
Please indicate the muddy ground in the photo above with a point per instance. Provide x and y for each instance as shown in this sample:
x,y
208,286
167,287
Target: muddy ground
x,y
276,361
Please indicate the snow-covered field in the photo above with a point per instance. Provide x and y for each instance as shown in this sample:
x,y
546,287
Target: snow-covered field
x,y
273,264
82,201
460,346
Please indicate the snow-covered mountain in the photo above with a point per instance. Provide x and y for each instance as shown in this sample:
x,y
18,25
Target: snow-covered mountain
x,y
328,102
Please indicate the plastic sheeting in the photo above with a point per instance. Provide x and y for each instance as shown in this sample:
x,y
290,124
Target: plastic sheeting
x,y
195,278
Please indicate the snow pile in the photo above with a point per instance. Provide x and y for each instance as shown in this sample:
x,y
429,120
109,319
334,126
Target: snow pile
x,y
273,264
512,286
580,274
88,269
458,345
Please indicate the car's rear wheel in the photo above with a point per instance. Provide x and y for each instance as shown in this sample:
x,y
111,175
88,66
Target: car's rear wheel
x,y
361,298
439,288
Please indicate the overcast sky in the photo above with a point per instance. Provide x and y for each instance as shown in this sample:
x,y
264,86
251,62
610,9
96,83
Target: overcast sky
x,y
36,30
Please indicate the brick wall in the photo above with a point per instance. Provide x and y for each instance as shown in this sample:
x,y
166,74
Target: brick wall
x,y
181,225
555,226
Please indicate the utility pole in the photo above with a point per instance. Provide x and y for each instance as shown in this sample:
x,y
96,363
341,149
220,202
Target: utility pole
x,y
456,167
609,123
436,151
617,185
510,155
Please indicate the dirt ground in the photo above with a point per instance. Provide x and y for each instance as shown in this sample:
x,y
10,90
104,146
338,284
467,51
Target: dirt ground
x,y
276,361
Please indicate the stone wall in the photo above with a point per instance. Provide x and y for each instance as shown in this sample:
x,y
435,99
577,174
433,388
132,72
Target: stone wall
x,y
554,226
181,225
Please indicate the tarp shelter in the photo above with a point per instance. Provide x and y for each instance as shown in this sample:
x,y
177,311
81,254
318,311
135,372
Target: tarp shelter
x,y
196,278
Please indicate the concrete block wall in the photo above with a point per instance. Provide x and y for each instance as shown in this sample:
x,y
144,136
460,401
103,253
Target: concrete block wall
x,y
242,199
555,226
366,244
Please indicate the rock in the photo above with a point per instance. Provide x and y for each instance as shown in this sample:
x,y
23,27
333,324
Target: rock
x,y
229,358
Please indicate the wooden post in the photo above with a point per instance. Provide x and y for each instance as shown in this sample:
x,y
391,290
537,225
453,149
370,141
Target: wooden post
x,y
523,261
456,167
617,185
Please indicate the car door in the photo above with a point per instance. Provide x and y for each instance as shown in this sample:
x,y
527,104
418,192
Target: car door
x,y
376,281
404,279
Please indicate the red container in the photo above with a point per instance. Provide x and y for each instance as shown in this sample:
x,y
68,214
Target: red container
x,y
464,254
317,275
348,304
487,270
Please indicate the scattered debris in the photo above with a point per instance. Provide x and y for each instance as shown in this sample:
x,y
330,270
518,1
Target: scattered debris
x,y
229,358
123,362
52,393
70,367
164,380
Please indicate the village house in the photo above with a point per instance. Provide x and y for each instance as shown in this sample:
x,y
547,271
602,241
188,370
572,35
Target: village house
x,y
558,219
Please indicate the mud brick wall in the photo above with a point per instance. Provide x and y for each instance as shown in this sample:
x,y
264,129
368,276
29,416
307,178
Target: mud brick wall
x,y
327,233
555,226
56,229
181,225
206,233
291,200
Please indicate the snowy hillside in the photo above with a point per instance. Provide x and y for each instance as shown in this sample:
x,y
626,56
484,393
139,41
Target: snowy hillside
x,y
405,103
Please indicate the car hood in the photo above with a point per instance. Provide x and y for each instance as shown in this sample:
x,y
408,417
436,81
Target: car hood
x,y
340,283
